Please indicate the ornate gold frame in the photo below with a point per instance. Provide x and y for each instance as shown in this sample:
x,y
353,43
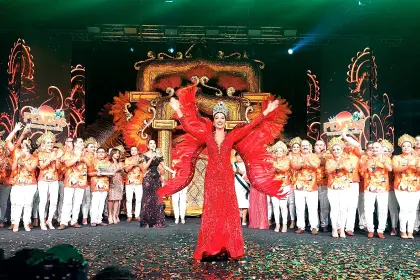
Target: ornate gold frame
x,y
152,69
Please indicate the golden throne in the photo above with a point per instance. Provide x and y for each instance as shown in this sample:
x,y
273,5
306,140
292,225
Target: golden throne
x,y
243,106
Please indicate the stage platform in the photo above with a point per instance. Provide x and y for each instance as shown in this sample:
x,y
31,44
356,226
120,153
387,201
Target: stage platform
x,y
167,253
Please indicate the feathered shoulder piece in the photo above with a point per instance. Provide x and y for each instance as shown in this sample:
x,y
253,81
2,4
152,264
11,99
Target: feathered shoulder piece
x,y
258,159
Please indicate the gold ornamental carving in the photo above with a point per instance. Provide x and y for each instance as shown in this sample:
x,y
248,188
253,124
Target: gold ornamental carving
x,y
137,95
241,108
164,124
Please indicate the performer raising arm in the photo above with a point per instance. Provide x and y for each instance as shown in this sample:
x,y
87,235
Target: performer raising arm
x,y
221,231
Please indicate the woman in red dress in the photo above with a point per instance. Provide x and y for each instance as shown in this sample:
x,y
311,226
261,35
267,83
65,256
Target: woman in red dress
x,y
221,230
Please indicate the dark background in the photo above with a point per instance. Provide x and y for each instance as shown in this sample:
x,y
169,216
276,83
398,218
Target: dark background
x,y
51,55
109,66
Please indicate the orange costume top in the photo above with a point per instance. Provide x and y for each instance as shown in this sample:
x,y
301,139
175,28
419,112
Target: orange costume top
x,y
407,180
284,176
91,159
135,175
363,173
12,176
90,163
23,176
321,173
339,178
100,183
61,167
48,173
76,175
354,160
306,177
377,177
5,169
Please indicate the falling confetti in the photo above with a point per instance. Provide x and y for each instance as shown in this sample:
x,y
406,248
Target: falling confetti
x,y
167,253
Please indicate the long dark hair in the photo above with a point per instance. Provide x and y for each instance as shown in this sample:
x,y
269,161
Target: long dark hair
x,y
113,152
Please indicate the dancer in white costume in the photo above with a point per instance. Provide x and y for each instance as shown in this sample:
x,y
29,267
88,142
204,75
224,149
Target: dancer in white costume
x,y
241,187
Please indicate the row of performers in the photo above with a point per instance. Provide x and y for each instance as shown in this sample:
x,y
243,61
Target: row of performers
x,y
57,181
342,181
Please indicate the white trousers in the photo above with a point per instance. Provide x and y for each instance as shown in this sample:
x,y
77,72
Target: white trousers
x,y
303,198
292,206
361,211
97,207
21,198
130,190
60,200
73,198
87,198
45,190
352,204
339,207
324,205
179,204
279,206
382,200
408,202
393,209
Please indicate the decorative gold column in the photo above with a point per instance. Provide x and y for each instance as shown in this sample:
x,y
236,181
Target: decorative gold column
x,y
164,142
165,128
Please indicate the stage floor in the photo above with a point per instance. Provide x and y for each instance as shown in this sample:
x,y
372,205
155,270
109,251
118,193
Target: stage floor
x,y
166,253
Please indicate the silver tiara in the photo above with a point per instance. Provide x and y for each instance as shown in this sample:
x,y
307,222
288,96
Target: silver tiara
x,y
220,108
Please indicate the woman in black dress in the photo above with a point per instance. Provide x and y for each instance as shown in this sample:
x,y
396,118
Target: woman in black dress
x,y
152,212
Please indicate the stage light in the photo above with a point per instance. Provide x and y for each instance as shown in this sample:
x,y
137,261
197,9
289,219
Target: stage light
x,y
364,2
131,49
290,51
171,50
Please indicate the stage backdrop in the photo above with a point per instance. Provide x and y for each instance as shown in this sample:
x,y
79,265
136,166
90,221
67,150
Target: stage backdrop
x,y
346,93
38,83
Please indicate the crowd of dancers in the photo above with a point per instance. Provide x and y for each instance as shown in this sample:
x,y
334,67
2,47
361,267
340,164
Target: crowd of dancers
x,y
49,186
337,183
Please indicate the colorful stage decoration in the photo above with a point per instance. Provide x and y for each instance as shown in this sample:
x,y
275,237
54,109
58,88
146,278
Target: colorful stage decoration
x,y
45,118
146,114
64,116
313,108
21,83
76,102
354,123
369,114
375,108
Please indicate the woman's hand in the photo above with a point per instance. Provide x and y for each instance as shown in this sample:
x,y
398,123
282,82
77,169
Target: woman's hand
x,y
271,107
18,127
175,104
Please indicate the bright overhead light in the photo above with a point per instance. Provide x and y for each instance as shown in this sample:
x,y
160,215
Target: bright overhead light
x,y
290,51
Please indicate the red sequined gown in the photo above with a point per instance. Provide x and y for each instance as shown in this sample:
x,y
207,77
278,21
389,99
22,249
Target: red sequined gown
x,y
220,229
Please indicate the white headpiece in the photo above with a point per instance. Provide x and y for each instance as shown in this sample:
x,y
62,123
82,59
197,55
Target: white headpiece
x,y
220,108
